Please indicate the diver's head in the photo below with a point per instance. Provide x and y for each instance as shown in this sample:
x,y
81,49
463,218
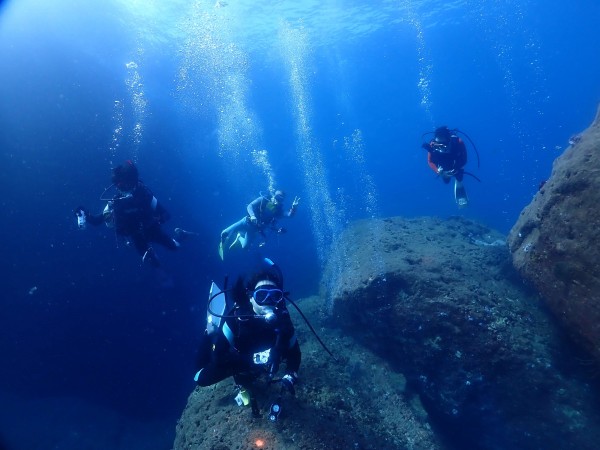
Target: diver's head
x,y
442,135
265,297
441,140
265,288
278,196
125,177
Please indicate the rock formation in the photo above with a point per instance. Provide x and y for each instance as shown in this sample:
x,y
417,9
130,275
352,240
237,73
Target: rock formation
x,y
440,302
438,346
555,243
356,402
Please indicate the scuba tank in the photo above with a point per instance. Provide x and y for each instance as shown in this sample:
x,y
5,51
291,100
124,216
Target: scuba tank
x,y
216,309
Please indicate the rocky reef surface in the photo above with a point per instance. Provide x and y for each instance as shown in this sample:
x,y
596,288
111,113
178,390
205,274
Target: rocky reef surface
x,y
555,243
441,303
355,401
438,345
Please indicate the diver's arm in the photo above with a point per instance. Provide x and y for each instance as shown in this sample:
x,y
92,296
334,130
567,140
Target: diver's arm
x,y
293,357
253,207
286,346
293,208
90,218
95,219
433,165
461,157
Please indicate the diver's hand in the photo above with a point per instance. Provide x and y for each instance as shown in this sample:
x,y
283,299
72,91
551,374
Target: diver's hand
x,y
253,220
440,170
295,204
81,211
288,381
273,363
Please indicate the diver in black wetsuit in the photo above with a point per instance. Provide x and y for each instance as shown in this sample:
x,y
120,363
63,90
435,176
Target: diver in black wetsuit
x,y
135,213
255,335
447,156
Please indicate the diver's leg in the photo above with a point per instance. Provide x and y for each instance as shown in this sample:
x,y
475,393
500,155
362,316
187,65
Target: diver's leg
x,y
144,249
246,381
182,235
211,374
249,235
156,234
232,230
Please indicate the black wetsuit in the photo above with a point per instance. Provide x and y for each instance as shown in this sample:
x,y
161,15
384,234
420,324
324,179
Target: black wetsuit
x,y
138,215
231,351
452,159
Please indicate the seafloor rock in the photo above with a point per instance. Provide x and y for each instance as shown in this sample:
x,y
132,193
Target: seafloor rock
x,y
356,402
555,243
438,346
440,302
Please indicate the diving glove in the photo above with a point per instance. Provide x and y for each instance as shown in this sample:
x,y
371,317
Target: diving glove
x,y
288,381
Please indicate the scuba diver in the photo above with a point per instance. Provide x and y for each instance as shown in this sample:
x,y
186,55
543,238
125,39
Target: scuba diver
x,y
263,214
447,156
134,213
249,334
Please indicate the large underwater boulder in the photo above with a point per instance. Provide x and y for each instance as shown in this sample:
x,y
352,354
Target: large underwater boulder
x,y
438,345
555,243
353,402
441,304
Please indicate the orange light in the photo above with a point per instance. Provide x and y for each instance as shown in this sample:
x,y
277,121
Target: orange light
x,y
259,443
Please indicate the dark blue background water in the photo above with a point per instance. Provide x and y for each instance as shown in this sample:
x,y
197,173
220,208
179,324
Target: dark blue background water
x,y
519,77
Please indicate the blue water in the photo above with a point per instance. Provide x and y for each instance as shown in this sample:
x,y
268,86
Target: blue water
x,y
217,101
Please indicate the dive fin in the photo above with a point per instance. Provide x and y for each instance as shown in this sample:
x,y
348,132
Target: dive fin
x,y
243,240
235,241
460,194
